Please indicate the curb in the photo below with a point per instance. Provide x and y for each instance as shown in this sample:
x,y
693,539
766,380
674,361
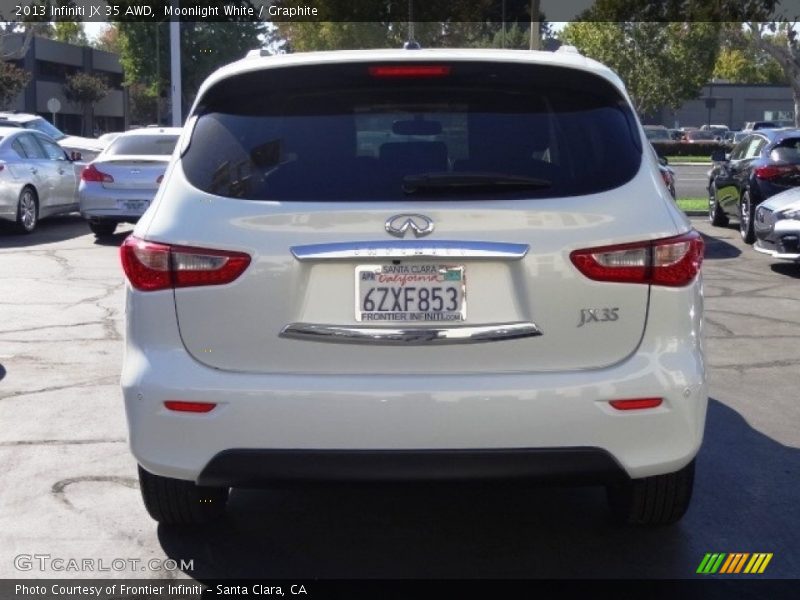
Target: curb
x,y
689,164
695,213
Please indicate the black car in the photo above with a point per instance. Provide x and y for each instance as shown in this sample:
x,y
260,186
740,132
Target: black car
x,y
761,165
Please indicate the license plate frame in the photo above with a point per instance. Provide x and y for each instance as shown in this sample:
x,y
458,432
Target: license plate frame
x,y
448,275
133,205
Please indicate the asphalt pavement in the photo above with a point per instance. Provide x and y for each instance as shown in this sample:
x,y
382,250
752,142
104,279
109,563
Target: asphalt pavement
x,y
691,180
69,484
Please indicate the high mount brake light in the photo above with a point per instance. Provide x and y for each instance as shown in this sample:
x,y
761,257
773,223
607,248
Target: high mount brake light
x,y
150,266
410,71
671,262
91,173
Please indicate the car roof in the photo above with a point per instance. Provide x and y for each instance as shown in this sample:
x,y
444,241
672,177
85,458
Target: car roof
x,y
776,134
5,131
150,131
17,117
566,56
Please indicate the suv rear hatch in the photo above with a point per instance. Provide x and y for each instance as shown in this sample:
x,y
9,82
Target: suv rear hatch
x,y
306,169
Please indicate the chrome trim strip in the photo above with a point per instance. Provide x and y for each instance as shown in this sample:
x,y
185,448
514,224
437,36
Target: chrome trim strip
x,y
410,249
419,336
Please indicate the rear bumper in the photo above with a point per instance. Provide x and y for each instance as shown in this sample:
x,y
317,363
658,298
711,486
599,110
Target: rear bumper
x,y
251,468
99,203
521,424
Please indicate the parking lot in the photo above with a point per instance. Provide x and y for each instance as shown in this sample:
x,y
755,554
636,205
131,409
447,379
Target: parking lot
x,y
69,484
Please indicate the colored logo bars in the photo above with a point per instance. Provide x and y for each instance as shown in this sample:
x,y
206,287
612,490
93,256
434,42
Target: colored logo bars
x,y
734,563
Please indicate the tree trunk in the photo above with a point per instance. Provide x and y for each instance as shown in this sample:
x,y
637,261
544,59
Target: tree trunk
x,y
536,38
796,97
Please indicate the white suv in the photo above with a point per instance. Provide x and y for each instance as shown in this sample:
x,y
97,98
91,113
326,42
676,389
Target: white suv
x,y
414,264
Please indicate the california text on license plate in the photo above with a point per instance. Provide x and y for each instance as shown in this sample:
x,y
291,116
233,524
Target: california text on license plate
x,y
410,292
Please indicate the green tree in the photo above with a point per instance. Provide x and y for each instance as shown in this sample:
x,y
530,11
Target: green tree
x,y
108,40
741,65
70,32
662,64
361,24
12,81
778,41
85,90
205,46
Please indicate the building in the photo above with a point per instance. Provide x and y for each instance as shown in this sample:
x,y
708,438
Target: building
x,y
50,63
730,104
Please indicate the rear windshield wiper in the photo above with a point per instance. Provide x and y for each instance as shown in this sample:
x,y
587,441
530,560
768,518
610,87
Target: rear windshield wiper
x,y
467,182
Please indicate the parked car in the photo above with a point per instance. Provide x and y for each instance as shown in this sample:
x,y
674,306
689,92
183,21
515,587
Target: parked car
x,y
657,133
763,164
118,186
78,148
296,308
667,173
109,137
777,226
676,135
699,136
37,178
719,131
756,125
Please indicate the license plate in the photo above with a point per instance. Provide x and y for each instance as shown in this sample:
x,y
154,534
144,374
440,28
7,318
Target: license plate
x,y
138,205
410,292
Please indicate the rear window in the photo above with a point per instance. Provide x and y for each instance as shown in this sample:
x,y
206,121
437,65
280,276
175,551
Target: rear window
x,y
787,150
354,132
143,145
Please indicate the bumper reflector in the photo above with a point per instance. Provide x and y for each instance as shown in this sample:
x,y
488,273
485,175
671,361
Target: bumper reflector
x,y
192,407
636,403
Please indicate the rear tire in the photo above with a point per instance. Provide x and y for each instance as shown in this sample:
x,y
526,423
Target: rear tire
x,y
716,216
746,229
652,501
178,502
27,211
103,228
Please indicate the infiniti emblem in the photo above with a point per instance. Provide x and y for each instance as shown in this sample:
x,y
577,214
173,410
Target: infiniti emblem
x,y
135,171
399,224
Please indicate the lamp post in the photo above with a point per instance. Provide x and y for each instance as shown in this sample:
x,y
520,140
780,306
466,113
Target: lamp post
x,y
711,102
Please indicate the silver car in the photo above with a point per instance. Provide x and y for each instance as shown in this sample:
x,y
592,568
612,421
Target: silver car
x,y
82,148
777,226
118,186
37,178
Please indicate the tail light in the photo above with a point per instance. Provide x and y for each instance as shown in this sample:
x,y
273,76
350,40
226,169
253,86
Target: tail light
x,y
636,403
150,266
410,71
671,262
91,173
774,171
667,177
191,407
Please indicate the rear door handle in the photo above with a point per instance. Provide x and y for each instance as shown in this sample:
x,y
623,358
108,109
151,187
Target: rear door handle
x,y
34,170
61,171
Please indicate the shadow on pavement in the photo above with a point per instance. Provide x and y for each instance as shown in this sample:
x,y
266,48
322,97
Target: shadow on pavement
x,y
717,248
745,500
788,269
112,240
48,231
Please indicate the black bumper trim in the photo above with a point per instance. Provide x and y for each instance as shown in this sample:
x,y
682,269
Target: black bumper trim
x,y
253,468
